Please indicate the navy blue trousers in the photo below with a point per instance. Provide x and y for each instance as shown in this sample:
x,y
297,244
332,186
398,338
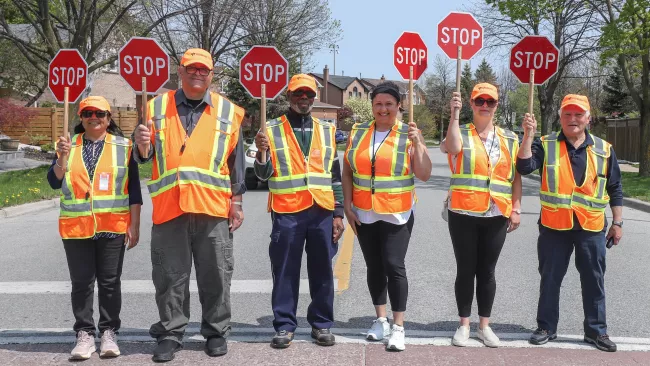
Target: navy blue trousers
x,y
310,230
554,250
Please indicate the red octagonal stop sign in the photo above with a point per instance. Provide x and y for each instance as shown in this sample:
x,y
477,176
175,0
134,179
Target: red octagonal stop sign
x,y
67,69
534,53
460,29
144,58
410,50
263,65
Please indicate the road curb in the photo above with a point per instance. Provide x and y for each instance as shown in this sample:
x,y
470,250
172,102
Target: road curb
x,y
28,208
627,202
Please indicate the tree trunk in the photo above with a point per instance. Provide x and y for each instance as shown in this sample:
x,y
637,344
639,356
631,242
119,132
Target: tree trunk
x,y
40,92
644,121
546,109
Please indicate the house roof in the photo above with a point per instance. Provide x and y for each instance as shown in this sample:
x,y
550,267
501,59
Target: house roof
x,y
341,82
319,104
402,85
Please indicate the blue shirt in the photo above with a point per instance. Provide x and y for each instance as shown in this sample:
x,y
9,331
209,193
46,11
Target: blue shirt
x,y
578,157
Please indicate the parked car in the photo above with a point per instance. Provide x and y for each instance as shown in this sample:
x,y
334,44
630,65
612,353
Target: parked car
x,y
341,137
250,179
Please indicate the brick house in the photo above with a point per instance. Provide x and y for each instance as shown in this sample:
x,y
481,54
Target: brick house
x,y
420,96
337,89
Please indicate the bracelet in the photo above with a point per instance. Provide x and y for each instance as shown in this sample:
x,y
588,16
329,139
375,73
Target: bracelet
x,y
57,164
236,203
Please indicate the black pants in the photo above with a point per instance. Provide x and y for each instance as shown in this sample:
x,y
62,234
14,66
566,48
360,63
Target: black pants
x,y
384,248
101,259
477,244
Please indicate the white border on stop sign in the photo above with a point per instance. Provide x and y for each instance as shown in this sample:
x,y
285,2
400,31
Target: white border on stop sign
x,y
49,67
139,89
407,65
528,70
240,73
438,36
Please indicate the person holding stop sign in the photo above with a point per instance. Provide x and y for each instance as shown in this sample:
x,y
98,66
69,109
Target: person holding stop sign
x,y
196,188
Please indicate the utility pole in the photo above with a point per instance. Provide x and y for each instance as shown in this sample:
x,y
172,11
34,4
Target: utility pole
x,y
334,48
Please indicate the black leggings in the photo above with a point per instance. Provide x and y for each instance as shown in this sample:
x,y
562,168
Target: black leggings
x,y
477,244
384,248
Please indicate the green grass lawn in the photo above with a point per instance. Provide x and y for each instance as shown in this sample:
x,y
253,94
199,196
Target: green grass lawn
x,y
636,187
22,186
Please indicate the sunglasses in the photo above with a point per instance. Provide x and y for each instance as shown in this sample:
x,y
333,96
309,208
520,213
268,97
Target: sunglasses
x,y
480,101
99,114
194,70
300,92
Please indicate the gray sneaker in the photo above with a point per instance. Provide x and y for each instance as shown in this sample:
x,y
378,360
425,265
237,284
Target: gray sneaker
x,y
109,347
85,346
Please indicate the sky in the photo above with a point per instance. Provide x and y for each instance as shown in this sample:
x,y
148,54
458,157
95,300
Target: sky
x,y
371,27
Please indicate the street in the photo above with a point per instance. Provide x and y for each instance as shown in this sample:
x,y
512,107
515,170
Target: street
x,y
35,300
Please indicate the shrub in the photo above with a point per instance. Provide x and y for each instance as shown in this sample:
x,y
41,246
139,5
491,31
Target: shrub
x,y
14,117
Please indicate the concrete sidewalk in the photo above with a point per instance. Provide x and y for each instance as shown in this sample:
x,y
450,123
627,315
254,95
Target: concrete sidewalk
x,y
308,354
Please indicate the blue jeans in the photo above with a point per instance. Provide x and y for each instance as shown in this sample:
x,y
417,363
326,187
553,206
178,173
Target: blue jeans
x,y
554,250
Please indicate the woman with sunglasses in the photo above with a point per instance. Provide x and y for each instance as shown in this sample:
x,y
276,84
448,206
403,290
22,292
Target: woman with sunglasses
x,y
484,204
99,219
381,161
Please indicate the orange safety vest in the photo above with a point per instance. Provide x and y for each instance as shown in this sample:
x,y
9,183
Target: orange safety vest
x,y
103,205
191,174
298,181
389,186
471,186
559,194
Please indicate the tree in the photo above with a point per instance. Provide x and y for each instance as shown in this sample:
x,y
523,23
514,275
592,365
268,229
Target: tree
x,y
618,101
485,74
92,27
466,86
569,24
438,87
508,83
425,120
361,110
626,38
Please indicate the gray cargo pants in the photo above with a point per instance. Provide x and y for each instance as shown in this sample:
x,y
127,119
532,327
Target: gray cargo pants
x,y
173,244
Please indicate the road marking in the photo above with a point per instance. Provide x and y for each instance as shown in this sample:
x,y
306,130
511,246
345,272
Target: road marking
x,y
344,261
140,287
343,335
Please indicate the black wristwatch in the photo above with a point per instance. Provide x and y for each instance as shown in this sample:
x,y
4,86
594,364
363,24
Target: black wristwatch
x,y
618,223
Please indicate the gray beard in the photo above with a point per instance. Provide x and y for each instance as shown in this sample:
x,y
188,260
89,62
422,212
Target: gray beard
x,y
298,110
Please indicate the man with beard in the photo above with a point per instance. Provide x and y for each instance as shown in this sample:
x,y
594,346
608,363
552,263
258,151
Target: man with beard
x,y
306,205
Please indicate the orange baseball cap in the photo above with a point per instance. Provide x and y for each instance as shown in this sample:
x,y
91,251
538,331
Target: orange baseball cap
x,y
197,56
485,89
94,103
577,100
302,81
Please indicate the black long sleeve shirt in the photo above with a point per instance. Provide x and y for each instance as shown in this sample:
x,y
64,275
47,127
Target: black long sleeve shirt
x,y
578,157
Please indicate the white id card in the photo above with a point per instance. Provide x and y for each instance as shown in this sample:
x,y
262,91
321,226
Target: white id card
x,y
103,181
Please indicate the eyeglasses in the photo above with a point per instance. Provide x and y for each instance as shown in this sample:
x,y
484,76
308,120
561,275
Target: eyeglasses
x,y
194,70
300,92
89,113
480,101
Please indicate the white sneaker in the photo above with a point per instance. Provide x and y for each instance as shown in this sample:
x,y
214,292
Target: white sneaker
x,y
108,347
396,340
85,346
488,337
461,337
379,330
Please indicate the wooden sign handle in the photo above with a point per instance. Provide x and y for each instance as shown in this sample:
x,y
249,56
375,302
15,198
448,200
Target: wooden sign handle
x,y
410,94
145,110
66,98
459,64
263,119
531,91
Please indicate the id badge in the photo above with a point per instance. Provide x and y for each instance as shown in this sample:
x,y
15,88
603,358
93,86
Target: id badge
x,y
103,181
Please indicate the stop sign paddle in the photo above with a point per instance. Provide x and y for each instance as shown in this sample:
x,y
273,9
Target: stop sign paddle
x,y
410,59
534,60
264,73
67,79
460,36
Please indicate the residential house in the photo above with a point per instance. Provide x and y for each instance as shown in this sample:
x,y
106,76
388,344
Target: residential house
x,y
338,89
419,94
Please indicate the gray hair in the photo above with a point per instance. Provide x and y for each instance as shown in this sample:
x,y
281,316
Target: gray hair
x,y
587,113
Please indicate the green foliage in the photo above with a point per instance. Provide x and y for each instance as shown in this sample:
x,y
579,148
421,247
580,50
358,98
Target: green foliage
x,y
485,74
466,86
362,108
617,98
425,120
47,147
630,33
519,103
23,186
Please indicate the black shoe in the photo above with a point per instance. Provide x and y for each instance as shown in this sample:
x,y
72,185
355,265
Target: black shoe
x,y
165,350
323,337
602,342
541,336
216,346
282,339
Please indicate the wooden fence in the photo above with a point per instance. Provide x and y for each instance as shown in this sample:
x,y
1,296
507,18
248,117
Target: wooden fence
x,y
625,137
47,125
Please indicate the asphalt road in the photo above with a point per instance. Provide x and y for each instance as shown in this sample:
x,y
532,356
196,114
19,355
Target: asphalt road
x,y
33,274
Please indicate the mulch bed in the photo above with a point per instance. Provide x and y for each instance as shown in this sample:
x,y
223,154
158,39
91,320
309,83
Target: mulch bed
x,y
38,154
